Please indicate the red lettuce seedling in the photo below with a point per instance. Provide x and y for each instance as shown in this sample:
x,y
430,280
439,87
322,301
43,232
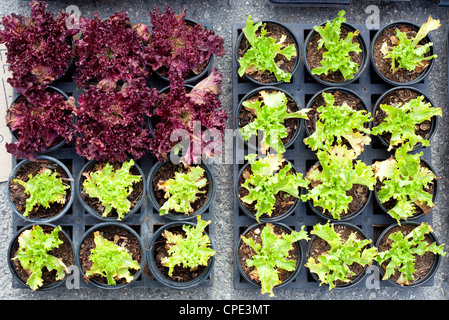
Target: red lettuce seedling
x,y
182,112
39,121
179,47
110,50
39,47
111,123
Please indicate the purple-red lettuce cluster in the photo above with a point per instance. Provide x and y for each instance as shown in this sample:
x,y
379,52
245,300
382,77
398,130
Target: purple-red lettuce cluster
x,y
179,47
111,123
39,47
195,117
39,121
110,50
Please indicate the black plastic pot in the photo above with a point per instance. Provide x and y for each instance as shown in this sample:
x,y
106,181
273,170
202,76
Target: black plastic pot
x,y
14,243
165,279
67,205
434,196
196,77
181,216
436,261
289,33
299,261
359,278
423,75
59,144
88,208
256,91
100,226
262,218
188,87
434,120
362,66
331,90
342,217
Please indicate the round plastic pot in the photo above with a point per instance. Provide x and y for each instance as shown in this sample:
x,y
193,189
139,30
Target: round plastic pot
x,y
163,90
11,249
255,92
434,195
41,220
290,34
363,54
297,245
342,217
94,212
57,145
103,225
422,76
165,279
331,90
357,279
434,120
262,218
195,77
436,261
181,216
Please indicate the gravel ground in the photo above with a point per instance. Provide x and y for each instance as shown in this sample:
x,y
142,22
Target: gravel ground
x,y
224,13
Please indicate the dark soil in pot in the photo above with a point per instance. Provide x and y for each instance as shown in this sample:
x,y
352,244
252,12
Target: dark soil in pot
x,y
390,204
292,125
319,247
340,97
284,201
19,197
119,236
384,65
394,98
180,274
63,252
135,196
245,252
166,172
423,263
275,31
314,57
360,195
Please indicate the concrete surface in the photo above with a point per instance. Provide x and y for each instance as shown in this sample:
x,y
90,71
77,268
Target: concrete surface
x,y
223,13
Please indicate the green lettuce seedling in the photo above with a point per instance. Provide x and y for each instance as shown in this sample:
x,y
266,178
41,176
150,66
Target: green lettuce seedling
x,y
339,172
111,261
43,189
408,53
403,251
182,191
267,180
33,255
272,255
270,114
334,264
260,57
189,250
338,122
404,180
112,187
337,55
402,120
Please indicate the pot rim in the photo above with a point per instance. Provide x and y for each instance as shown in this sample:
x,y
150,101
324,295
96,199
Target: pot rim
x,y
67,206
290,33
422,76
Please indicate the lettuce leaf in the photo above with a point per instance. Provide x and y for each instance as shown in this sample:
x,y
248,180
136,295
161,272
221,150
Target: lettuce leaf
x,y
336,57
333,265
263,50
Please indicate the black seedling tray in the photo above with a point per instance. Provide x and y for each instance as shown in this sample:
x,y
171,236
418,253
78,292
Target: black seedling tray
x,y
369,87
145,221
